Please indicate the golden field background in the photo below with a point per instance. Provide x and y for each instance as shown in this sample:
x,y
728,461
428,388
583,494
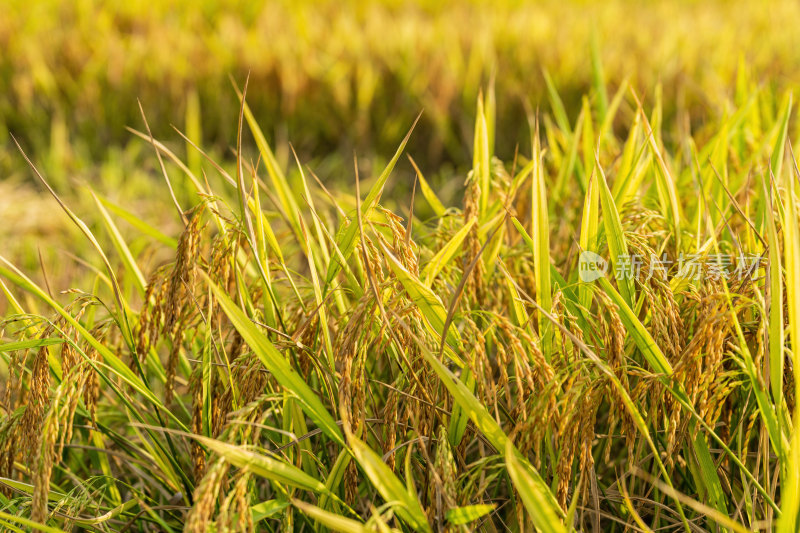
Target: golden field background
x,y
353,74
338,77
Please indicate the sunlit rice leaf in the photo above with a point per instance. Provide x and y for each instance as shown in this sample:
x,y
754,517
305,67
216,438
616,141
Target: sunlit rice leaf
x,y
388,485
263,465
468,513
276,363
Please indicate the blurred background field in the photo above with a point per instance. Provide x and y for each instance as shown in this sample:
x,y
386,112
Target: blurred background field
x,y
338,77
343,75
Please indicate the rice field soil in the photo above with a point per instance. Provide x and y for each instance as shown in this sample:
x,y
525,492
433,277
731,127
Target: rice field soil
x,y
600,335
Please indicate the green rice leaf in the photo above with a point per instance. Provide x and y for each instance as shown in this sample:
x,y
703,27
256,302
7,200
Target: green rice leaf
x,y
32,343
446,254
428,302
530,491
393,490
347,242
277,364
263,465
615,237
266,509
427,192
549,514
332,521
644,341
540,235
468,513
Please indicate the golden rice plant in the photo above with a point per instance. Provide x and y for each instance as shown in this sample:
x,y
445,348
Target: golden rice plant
x,y
600,336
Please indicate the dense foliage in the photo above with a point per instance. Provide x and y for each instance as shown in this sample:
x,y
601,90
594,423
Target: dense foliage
x,y
572,306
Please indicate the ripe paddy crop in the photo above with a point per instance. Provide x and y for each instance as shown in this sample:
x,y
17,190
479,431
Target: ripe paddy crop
x,y
599,334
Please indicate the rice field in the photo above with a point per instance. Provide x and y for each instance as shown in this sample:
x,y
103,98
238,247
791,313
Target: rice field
x,y
484,298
